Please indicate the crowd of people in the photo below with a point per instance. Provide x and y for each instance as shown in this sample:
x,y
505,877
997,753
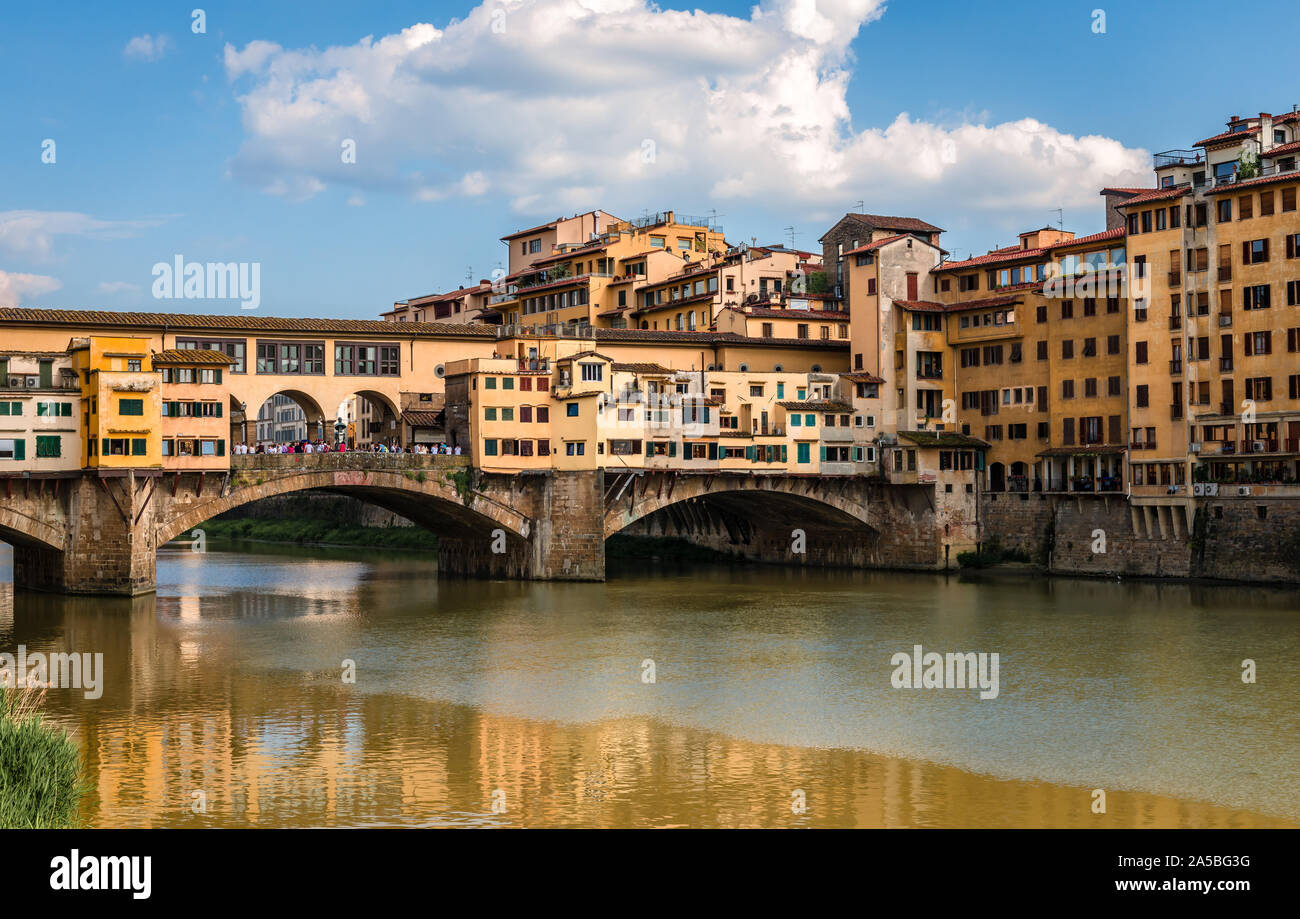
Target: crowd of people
x,y
324,446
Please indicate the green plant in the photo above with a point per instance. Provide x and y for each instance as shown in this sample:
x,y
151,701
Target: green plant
x,y
463,480
40,768
1247,165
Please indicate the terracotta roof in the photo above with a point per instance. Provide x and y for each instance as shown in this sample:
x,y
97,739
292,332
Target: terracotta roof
x,y
882,222
192,356
636,367
422,418
1253,183
942,439
1144,195
872,246
1293,147
920,306
531,230
1112,233
457,294
860,377
986,302
241,323
1008,254
717,338
765,313
816,406
1251,127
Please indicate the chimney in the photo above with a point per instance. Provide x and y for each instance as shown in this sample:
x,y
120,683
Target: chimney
x,y
1265,132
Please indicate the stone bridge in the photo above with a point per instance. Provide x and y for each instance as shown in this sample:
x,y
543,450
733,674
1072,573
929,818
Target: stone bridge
x,y
88,533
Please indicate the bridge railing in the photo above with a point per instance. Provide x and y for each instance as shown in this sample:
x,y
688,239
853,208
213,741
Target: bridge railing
x,y
357,459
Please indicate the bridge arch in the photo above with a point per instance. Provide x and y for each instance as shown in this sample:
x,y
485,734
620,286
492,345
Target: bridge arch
x,y
20,529
797,501
428,497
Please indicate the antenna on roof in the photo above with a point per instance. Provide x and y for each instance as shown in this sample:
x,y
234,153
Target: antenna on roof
x,y
469,275
1060,218
713,218
861,205
793,234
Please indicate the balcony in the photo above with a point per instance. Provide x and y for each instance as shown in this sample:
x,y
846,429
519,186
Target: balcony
x,y
1293,445
1225,366
1176,366
1175,322
534,365
1178,158
1259,446
1225,320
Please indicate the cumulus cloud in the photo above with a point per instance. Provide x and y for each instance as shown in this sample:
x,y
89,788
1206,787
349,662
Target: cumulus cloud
x,y
571,104
16,288
31,234
146,47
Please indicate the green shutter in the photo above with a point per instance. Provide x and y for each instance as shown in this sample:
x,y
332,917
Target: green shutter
x,y
783,453
672,448
823,453
104,451
218,409
139,447
221,446
20,449
713,451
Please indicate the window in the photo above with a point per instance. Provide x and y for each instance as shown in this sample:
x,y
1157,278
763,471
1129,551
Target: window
x,y
1143,395
1140,352
1254,251
575,448
1255,297
592,373
359,360
49,446
571,411
13,449
130,407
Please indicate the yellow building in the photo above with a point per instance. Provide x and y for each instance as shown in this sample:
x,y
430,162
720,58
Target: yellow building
x,y
1215,394
564,404
195,423
121,402
1037,333
578,280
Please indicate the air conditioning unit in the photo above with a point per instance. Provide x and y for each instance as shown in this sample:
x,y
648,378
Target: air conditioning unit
x,y
1243,491
1258,446
1196,447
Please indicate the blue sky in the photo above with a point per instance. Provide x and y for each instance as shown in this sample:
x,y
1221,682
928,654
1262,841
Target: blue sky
x,y
221,149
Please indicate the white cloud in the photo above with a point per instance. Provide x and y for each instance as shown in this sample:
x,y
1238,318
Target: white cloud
x,y
15,288
146,47
553,108
117,287
31,234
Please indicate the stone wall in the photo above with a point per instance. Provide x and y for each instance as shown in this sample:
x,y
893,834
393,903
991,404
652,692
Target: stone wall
x,y
1228,538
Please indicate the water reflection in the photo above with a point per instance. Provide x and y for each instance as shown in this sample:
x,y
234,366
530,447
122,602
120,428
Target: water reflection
x,y
228,683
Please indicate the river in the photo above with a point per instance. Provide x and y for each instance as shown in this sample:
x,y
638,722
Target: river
x,y
670,695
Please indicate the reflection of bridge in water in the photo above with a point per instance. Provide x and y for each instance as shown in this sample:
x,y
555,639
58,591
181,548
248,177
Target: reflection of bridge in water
x,y
94,534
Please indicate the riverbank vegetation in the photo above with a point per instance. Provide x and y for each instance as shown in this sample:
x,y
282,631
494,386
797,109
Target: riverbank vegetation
x,y
301,531
40,767
991,553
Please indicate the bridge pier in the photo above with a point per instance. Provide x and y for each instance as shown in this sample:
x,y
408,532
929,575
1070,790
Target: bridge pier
x,y
566,543
109,545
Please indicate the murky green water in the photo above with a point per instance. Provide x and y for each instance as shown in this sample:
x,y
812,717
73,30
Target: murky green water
x,y
226,690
